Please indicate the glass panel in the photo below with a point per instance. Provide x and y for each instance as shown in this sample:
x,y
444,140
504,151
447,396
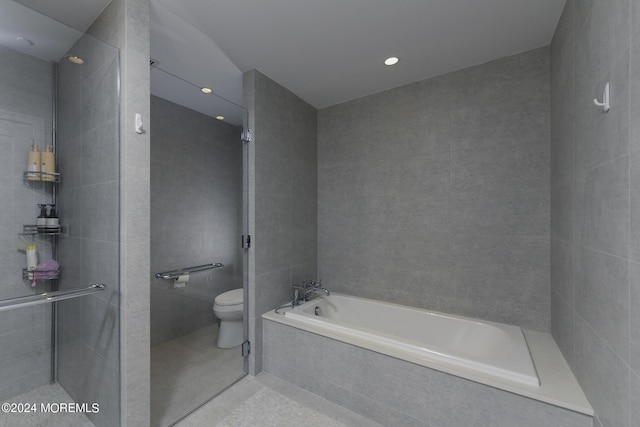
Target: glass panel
x,y
67,351
89,251
196,219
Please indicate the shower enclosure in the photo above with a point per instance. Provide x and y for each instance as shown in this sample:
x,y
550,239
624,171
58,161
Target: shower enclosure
x,y
197,223
59,334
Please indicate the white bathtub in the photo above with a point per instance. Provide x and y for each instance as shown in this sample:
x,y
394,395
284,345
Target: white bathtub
x,y
454,344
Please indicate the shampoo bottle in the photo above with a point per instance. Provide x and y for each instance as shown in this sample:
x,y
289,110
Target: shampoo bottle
x,y
33,164
42,219
32,257
53,222
48,166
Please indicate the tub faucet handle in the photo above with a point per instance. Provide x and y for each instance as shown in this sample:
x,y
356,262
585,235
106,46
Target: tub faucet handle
x,y
298,293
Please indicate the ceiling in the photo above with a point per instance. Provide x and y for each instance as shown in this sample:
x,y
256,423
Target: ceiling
x,y
32,33
331,51
78,14
328,51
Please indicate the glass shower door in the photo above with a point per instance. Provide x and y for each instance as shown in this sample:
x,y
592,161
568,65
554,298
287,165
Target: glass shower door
x,y
59,336
196,220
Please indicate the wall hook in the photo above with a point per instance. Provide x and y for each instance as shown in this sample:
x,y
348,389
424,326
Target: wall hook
x,y
605,104
139,127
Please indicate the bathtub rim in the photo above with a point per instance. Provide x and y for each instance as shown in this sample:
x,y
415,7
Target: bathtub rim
x,y
558,385
527,375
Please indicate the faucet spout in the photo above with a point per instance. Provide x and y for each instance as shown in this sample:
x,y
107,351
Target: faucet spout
x,y
304,291
315,291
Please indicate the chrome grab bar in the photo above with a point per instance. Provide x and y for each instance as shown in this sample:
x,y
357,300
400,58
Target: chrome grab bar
x,y
174,274
45,297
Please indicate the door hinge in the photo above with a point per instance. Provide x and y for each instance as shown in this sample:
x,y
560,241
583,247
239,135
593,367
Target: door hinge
x,y
245,135
246,348
246,241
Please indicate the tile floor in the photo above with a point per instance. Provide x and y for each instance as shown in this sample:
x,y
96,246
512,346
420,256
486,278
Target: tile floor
x,y
187,372
266,401
52,393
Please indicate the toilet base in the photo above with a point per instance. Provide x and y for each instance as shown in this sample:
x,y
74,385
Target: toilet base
x,y
231,334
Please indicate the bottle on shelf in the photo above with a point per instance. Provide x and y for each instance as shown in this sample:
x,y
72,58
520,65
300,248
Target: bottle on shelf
x,y
41,221
53,222
33,164
32,257
48,165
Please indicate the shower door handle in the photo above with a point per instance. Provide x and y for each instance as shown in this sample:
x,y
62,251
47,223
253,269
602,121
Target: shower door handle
x,y
46,297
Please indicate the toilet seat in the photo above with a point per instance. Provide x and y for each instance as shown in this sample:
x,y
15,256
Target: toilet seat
x,y
230,301
232,297
227,308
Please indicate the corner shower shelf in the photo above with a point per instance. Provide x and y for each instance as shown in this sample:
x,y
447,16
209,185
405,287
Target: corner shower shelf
x,y
39,176
40,274
32,229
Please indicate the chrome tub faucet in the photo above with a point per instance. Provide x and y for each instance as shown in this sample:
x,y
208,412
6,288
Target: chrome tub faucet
x,y
303,292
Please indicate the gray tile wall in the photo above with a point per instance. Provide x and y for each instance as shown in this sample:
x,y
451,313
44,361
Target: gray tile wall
x,y
393,392
125,24
595,177
283,199
88,199
25,119
196,203
436,194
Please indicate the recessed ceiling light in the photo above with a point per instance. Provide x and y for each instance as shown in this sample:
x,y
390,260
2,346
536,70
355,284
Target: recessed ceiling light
x,y
75,59
391,61
206,90
220,117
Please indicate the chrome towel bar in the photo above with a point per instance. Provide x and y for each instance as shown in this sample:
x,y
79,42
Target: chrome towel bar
x,y
174,274
45,297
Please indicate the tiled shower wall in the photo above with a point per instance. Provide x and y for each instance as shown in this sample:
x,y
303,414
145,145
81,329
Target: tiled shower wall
x,y
89,204
283,199
595,203
196,213
25,119
436,194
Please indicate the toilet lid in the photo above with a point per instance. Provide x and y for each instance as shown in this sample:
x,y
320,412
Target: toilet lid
x,y
232,297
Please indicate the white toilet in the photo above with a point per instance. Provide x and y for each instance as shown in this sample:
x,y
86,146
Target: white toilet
x,y
229,308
